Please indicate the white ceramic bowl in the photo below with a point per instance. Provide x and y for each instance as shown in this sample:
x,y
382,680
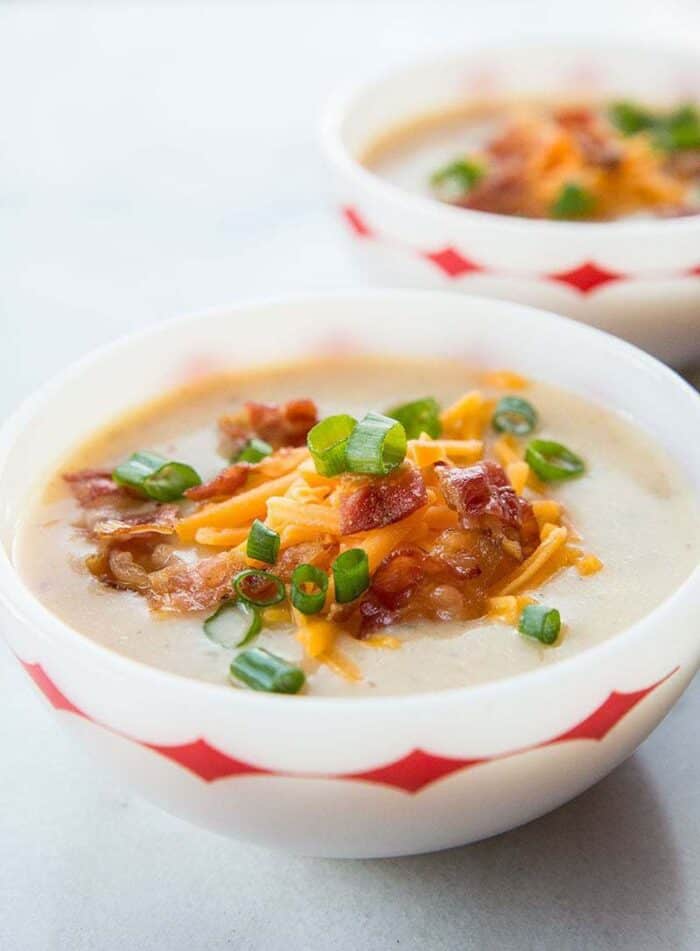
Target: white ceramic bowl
x,y
346,777
638,279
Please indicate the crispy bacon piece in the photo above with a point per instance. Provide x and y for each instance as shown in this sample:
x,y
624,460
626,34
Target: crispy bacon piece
x,y
127,563
593,137
397,577
279,424
197,586
380,500
94,486
158,521
223,485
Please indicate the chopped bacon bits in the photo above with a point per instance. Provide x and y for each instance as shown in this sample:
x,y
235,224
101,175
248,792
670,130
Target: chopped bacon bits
x,y
279,424
223,485
381,500
479,490
159,521
93,486
320,554
197,586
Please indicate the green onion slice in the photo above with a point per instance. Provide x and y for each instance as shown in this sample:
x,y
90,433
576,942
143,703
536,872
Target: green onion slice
x,y
258,587
308,602
261,670
630,118
552,462
350,574
234,624
155,477
376,446
253,451
573,201
420,416
461,175
327,441
263,543
540,622
679,130
514,415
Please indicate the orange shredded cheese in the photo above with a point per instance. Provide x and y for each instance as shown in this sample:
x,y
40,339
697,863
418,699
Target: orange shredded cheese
x,y
588,565
504,380
536,562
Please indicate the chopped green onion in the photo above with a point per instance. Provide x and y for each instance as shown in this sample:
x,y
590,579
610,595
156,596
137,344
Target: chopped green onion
x,y
308,602
420,416
261,670
327,442
234,624
461,175
155,477
514,415
679,130
552,462
350,574
258,587
630,118
253,451
540,622
573,201
263,543
376,446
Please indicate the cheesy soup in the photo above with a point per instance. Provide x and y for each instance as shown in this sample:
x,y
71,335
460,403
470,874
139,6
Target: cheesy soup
x,y
360,527
543,160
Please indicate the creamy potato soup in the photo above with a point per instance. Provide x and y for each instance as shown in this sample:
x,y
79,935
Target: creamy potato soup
x,y
360,527
577,162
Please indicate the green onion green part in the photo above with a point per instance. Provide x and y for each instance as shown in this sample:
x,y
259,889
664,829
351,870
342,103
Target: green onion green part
x,y
308,602
461,175
263,543
234,624
629,118
514,415
351,575
679,130
258,587
540,622
155,477
261,670
573,201
552,462
327,442
253,451
376,446
420,416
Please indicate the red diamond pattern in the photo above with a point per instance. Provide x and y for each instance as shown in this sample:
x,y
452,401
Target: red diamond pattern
x,y
452,262
587,277
356,222
410,773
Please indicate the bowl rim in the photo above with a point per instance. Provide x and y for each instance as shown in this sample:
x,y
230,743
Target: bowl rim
x,y
22,603
345,100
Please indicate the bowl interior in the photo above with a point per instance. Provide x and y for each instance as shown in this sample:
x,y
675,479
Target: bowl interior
x,y
482,333
567,71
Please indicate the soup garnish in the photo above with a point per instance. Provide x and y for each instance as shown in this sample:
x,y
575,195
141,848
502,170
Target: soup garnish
x,y
343,527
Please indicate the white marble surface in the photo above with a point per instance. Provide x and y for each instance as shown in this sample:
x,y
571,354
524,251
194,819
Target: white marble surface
x,y
161,158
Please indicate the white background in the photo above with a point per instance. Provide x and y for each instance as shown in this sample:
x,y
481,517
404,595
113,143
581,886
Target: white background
x,y
161,158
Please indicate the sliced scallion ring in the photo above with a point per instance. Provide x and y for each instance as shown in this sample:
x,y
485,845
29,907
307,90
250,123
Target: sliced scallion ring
x,y
263,543
234,624
540,622
419,416
261,670
156,477
514,415
552,462
327,442
253,451
376,446
308,602
350,575
258,587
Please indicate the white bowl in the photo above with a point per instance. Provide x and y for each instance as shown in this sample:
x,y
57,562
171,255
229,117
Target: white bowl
x,y
354,777
638,279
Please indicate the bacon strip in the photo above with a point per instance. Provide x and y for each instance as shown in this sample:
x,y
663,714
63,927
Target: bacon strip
x,y
198,586
93,486
279,424
159,521
382,500
223,485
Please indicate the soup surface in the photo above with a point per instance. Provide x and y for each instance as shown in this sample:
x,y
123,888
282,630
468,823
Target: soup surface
x,y
625,530
578,162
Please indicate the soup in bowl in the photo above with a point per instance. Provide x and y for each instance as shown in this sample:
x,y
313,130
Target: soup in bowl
x,y
413,568
559,175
